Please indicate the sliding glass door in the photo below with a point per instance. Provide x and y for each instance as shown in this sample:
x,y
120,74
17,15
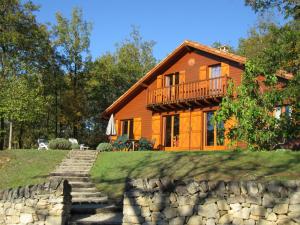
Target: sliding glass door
x,y
214,133
171,130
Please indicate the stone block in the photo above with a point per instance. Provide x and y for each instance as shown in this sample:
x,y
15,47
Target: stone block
x,y
236,206
131,210
185,210
265,222
53,220
295,198
222,205
225,219
268,200
170,213
210,222
195,220
271,217
177,221
281,208
257,210
26,218
237,221
249,222
208,210
294,208
133,219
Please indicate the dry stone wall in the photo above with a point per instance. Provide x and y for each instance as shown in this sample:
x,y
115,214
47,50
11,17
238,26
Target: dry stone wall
x,y
169,202
42,204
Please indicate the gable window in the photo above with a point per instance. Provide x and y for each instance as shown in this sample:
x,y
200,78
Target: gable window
x,y
215,78
171,79
127,128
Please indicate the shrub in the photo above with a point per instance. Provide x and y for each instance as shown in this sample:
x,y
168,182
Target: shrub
x,y
75,146
145,144
120,143
60,143
105,147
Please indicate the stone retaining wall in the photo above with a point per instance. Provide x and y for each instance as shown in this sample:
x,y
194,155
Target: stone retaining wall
x,y
42,204
167,202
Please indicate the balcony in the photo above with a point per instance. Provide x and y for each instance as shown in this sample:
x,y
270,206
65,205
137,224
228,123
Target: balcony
x,y
198,93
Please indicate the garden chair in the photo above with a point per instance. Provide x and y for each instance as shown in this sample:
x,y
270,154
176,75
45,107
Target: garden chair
x,y
43,144
81,146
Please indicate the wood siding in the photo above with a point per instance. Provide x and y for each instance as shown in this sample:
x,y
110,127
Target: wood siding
x,y
192,66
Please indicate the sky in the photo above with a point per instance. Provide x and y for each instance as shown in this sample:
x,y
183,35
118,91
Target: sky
x,y
167,22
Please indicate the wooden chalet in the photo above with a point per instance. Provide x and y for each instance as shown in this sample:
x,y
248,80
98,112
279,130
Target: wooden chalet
x,y
173,104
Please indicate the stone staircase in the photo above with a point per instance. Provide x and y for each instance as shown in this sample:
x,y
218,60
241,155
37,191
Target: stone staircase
x,y
89,206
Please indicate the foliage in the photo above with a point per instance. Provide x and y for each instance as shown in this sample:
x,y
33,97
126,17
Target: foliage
x,y
105,147
71,39
218,45
75,146
60,144
121,142
287,7
145,144
252,107
24,49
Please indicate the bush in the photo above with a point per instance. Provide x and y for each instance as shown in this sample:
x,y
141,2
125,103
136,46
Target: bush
x,y
120,143
60,143
105,147
145,144
75,146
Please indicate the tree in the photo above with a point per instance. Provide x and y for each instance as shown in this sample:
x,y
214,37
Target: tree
x,y
286,7
21,103
112,74
218,45
252,109
71,38
23,43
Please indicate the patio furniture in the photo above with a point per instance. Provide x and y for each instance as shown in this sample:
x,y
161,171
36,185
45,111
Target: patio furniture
x,y
81,146
43,144
132,144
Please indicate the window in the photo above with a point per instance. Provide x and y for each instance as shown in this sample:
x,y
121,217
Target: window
x,y
214,133
282,111
215,80
127,128
277,112
171,79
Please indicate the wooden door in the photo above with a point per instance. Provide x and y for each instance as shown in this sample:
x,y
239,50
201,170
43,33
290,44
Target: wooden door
x,y
171,131
156,130
196,130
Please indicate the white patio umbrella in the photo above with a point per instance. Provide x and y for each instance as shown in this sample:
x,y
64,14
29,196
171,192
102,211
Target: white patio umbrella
x,y
111,130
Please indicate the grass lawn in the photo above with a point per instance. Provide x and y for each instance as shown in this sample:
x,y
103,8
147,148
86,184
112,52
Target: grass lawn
x,y
23,167
112,168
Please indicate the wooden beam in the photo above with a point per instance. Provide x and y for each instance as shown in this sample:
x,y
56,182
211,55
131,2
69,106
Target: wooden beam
x,y
198,103
206,101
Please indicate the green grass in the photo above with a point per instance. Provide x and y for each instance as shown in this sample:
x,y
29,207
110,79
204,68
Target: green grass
x,y
23,167
112,168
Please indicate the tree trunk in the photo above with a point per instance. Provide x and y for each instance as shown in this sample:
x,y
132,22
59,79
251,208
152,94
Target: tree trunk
x,y
2,133
10,135
21,136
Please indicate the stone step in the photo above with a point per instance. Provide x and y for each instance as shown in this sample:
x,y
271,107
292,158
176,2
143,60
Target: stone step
x,y
75,184
76,164
84,167
97,219
84,189
72,161
73,178
97,200
86,194
70,174
94,208
65,170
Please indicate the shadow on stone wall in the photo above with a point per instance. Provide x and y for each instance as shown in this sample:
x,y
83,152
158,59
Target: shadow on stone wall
x,y
166,201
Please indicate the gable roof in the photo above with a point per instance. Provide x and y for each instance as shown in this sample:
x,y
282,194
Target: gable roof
x,y
181,49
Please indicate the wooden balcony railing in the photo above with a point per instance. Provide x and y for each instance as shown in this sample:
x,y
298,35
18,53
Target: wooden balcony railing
x,y
210,88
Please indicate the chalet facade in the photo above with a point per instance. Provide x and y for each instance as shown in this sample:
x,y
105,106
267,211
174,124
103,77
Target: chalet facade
x,y
173,104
